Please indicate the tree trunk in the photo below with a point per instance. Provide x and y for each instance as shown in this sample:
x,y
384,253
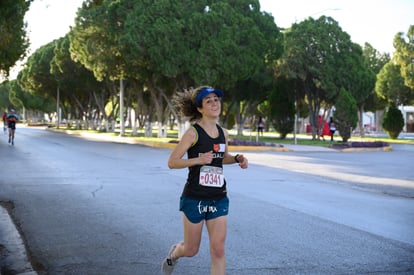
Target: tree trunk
x,y
121,106
361,121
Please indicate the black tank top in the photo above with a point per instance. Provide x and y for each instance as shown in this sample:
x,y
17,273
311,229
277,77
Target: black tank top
x,y
193,189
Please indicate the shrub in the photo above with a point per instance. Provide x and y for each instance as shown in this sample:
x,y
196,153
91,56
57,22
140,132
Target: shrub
x,y
393,122
282,109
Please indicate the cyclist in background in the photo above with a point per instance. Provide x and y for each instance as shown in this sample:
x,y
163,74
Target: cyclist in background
x,y
12,118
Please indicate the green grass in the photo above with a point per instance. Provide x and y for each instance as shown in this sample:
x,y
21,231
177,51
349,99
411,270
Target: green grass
x,y
306,139
271,137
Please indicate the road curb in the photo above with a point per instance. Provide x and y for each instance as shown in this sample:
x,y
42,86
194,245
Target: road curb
x,y
13,254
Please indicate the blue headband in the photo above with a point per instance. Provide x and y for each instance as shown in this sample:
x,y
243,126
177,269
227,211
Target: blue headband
x,y
206,91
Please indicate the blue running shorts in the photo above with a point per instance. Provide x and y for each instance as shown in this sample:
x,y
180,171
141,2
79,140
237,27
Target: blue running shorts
x,y
198,210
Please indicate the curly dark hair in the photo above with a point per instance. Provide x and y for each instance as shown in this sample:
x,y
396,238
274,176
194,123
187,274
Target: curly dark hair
x,y
185,103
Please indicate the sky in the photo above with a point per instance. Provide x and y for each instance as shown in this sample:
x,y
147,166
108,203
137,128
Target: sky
x,y
372,21
48,20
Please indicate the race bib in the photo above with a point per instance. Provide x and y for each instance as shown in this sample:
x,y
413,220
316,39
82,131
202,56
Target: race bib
x,y
211,176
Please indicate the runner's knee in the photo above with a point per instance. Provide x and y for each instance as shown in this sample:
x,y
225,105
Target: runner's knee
x,y
190,251
217,251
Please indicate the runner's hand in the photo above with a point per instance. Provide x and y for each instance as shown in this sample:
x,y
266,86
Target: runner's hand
x,y
243,162
206,158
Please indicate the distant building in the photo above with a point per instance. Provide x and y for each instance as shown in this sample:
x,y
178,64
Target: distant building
x,y
408,115
373,121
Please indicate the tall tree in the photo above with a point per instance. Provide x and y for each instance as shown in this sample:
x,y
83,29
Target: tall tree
x,y
321,56
282,106
376,61
390,85
154,41
373,103
345,115
95,43
181,41
94,40
13,42
374,58
36,76
30,102
361,83
78,87
404,55
248,94
4,96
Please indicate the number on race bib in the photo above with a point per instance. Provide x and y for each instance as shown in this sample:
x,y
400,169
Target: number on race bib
x,y
211,176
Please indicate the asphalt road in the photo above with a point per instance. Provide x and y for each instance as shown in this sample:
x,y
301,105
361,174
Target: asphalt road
x,y
90,207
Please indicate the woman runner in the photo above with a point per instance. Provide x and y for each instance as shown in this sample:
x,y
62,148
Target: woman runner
x,y
204,198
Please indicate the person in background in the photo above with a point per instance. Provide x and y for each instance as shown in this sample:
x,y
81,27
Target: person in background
x,y
332,127
204,199
12,118
323,127
260,126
